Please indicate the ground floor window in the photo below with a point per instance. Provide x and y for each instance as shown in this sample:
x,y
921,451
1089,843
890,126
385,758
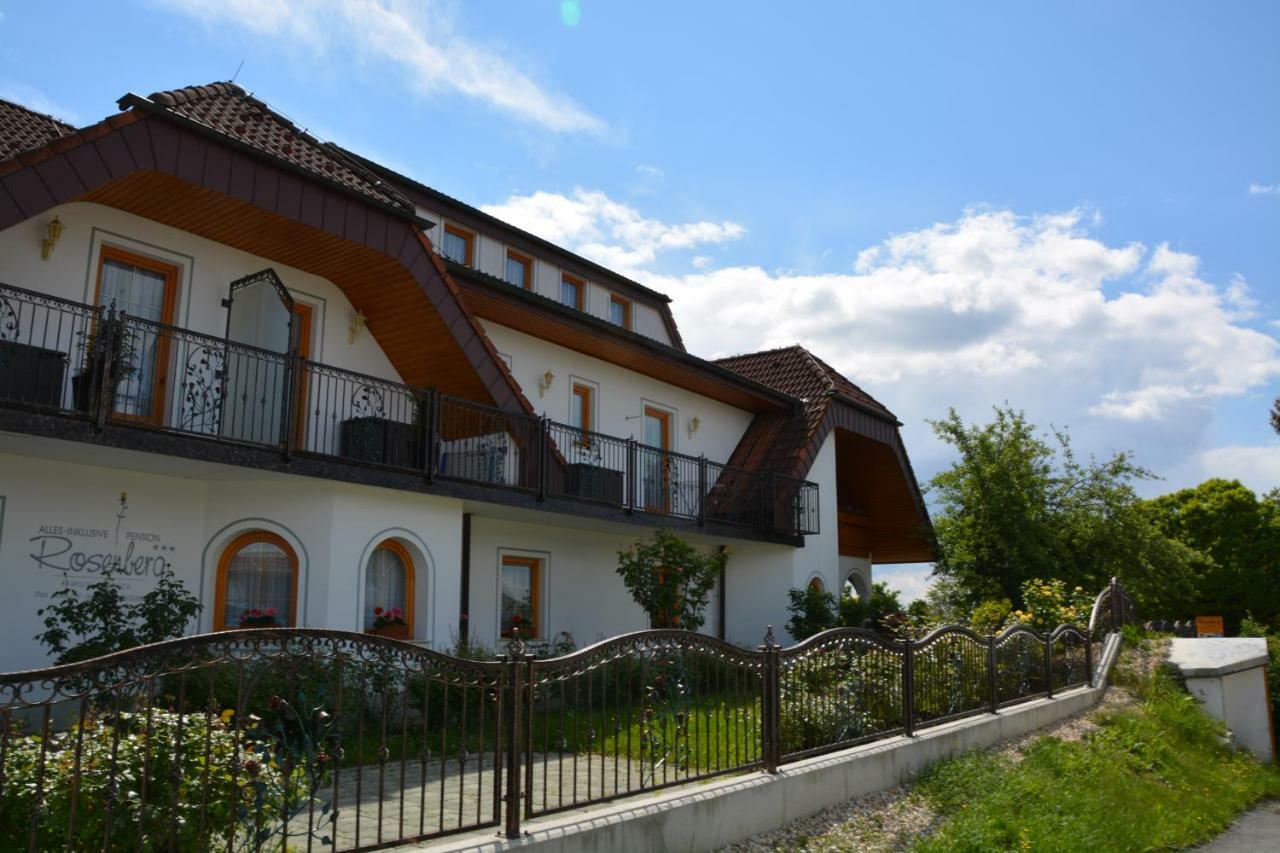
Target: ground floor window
x,y
388,589
257,583
520,581
816,584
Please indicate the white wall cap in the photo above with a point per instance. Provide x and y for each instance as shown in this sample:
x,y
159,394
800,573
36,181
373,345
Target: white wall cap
x,y
1206,657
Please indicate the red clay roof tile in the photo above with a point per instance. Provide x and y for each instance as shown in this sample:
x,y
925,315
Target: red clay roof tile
x,y
22,129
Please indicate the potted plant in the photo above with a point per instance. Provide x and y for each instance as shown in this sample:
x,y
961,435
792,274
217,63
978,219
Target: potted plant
x,y
259,618
110,355
389,622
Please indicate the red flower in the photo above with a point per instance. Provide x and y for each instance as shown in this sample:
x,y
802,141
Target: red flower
x,y
271,611
377,611
515,620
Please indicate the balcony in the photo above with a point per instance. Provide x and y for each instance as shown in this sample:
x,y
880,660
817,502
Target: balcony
x,y
113,371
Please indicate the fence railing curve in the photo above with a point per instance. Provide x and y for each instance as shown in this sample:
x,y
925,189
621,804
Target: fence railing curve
x,y
281,737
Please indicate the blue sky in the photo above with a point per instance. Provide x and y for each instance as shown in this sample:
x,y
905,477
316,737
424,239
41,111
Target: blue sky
x,y
1073,207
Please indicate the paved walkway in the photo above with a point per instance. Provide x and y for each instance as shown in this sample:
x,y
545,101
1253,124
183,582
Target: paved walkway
x,y
1256,830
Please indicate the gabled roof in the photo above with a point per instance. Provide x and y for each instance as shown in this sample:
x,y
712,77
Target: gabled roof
x,y
801,374
232,112
22,129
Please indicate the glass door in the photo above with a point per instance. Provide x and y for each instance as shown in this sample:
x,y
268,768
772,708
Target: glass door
x,y
655,472
142,289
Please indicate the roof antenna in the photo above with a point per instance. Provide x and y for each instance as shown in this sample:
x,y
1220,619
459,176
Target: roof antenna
x,y
237,74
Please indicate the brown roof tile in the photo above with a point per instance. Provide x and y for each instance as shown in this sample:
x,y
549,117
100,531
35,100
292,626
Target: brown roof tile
x,y
798,372
22,129
229,110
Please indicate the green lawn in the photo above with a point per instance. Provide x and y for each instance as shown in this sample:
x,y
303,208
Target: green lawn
x,y
1152,777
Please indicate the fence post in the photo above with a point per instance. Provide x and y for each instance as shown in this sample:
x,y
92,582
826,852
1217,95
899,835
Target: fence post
x,y
543,455
103,397
513,690
631,475
908,688
1048,665
1115,606
770,705
992,683
702,490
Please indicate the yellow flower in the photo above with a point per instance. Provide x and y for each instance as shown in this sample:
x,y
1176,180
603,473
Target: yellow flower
x,y
227,715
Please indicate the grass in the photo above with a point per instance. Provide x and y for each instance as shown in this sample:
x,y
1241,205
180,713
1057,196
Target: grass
x,y
1153,776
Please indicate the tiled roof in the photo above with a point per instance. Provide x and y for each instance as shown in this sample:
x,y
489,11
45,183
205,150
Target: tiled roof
x,y
798,372
781,442
22,129
229,110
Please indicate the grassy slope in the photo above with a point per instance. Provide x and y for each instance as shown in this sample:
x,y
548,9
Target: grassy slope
x,y
1154,776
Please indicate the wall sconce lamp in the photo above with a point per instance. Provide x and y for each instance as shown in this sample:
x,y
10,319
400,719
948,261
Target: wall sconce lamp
x,y
356,327
694,423
47,244
544,383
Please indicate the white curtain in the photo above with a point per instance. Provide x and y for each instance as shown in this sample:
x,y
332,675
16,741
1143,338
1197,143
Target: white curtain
x,y
260,575
140,293
384,584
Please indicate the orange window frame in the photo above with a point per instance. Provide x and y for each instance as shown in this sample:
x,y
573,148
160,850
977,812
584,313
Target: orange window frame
x,y
409,572
615,299
467,237
581,287
224,566
170,272
524,261
582,401
534,565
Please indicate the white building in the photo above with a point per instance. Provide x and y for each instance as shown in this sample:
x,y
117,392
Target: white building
x,y
339,389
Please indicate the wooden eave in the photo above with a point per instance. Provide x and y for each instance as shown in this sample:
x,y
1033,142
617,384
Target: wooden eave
x,y
540,317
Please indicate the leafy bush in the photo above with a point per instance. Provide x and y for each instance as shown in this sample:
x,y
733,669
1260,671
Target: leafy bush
x,y
991,615
1250,627
1048,604
99,622
670,579
195,778
812,611
874,611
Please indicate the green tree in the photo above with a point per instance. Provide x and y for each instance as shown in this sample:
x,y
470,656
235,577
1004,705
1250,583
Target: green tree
x,y
812,611
670,579
872,610
1018,505
1238,535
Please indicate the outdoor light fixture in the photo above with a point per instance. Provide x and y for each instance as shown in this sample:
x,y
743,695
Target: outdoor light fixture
x,y
357,326
47,244
544,383
694,423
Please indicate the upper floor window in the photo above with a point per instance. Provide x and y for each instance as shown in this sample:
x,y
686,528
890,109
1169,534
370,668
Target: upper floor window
x,y
620,311
459,245
519,270
580,410
572,291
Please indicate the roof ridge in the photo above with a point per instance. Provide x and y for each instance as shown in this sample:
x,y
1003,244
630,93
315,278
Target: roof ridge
x,y
819,367
190,94
759,353
59,123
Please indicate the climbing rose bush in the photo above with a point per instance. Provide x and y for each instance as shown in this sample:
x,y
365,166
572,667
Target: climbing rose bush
x,y
1049,603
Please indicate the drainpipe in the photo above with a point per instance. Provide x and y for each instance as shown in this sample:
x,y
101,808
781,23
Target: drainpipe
x,y
464,600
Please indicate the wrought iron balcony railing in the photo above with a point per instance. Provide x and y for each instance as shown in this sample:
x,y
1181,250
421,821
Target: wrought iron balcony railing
x,y
108,367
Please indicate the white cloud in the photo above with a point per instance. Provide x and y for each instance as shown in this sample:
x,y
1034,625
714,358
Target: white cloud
x,y
607,231
910,580
1264,189
1131,347
1257,466
419,38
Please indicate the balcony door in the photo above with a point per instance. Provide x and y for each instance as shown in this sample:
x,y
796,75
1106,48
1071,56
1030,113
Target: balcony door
x,y
143,289
655,471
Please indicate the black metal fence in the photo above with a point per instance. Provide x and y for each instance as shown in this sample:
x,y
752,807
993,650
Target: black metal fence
x,y
327,740
105,366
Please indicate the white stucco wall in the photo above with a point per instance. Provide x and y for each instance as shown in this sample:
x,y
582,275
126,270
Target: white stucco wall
x,y
206,272
620,397
490,256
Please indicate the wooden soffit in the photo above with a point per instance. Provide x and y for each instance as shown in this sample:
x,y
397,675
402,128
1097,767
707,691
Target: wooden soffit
x,y
889,520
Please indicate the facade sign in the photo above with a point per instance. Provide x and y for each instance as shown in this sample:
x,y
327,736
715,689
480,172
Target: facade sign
x,y
1209,626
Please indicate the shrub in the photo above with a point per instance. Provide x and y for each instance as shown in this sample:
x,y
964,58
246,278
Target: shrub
x,y
992,614
812,611
670,579
1048,604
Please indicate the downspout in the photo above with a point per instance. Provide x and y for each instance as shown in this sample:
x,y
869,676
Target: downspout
x,y
464,599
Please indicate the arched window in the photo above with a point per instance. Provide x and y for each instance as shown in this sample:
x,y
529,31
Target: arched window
x,y
388,586
257,583
816,584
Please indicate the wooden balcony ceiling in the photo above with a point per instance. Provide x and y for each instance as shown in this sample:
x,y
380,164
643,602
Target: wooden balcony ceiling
x,y
869,476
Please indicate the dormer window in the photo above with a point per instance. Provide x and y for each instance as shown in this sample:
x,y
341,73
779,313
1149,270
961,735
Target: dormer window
x,y
572,291
519,270
620,311
459,245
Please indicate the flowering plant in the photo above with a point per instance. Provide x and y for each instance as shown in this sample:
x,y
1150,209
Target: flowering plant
x,y
1048,604
259,618
387,618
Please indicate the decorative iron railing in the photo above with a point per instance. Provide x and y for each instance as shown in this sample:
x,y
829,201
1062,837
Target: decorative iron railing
x,y
328,740
106,366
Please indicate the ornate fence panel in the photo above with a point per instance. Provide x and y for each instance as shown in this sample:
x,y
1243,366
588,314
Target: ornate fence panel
x,y
250,739
837,689
361,418
1070,655
637,713
951,676
1020,666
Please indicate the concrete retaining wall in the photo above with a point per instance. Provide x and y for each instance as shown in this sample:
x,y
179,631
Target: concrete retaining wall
x,y
707,817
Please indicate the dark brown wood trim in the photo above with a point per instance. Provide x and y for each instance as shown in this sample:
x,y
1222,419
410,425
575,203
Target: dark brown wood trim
x,y
464,598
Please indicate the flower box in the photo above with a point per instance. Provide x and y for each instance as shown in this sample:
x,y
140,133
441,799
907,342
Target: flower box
x,y
394,632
